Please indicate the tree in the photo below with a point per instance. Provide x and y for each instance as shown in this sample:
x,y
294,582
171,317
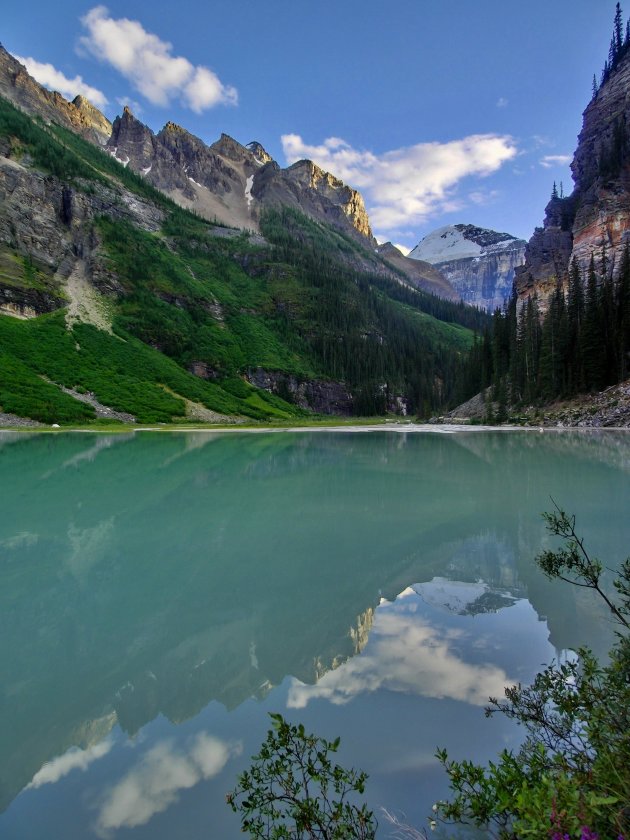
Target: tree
x,y
618,31
571,777
293,790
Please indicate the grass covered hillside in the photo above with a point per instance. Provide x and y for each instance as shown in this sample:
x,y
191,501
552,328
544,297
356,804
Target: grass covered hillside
x,y
111,289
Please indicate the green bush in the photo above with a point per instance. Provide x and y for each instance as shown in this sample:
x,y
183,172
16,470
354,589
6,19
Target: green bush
x,y
293,790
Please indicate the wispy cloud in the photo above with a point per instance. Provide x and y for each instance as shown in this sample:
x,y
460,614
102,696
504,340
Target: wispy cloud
x,y
155,783
502,102
483,197
54,79
148,64
74,759
549,161
407,186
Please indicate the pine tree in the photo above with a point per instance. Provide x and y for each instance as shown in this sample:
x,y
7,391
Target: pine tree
x,y
595,87
575,319
592,334
622,309
554,192
618,31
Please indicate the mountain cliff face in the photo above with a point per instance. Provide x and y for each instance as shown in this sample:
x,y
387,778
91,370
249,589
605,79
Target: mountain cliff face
x,y
232,183
225,182
478,263
595,219
315,192
215,181
81,116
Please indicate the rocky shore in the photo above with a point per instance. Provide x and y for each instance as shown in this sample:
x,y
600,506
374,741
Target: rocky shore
x,y
606,409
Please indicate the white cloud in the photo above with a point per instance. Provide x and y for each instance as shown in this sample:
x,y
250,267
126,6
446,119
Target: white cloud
x,y
409,655
550,161
407,185
403,249
74,759
502,102
148,64
156,781
54,79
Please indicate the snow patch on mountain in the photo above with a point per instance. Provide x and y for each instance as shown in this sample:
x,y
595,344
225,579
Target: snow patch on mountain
x,y
459,242
443,244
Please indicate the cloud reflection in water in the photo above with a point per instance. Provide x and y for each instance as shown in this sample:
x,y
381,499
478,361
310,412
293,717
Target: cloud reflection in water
x,y
74,759
410,654
158,778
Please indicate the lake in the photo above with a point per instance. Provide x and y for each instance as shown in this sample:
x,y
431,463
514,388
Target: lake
x,y
162,593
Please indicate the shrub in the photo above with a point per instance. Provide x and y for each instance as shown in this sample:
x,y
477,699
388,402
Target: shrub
x,y
293,790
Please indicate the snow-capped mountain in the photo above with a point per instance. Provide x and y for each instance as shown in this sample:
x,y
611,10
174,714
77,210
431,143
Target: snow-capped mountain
x,y
479,263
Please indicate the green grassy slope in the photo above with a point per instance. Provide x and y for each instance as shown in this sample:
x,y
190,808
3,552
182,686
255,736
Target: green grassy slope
x,y
303,304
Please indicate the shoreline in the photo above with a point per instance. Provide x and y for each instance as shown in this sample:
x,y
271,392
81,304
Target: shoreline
x,y
387,426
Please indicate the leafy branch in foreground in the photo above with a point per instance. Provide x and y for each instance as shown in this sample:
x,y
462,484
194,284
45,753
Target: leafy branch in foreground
x,y
571,777
293,790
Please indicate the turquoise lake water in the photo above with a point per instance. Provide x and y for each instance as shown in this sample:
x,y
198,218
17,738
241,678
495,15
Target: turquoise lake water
x,y
162,593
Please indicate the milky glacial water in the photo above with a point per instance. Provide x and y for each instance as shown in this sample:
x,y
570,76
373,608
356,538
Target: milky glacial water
x,y
160,594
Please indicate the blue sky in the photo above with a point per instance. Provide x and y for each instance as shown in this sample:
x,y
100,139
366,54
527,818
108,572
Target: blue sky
x,y
438,111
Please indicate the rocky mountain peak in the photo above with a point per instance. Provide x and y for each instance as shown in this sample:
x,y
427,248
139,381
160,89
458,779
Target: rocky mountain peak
x,y
230,148
173,127
226,181
22,90
482,236
479,263
259,152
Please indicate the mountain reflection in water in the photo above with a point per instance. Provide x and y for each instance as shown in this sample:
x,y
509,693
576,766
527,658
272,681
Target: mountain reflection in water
x,y
149,575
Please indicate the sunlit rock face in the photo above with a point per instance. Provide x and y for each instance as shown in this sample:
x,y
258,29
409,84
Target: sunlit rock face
x,y
81,116
225,181
595,218
478,263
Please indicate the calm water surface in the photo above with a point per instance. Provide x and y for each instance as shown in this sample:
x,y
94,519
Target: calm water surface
x,y
161,593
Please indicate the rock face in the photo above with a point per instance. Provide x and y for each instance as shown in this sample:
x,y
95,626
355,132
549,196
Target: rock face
x,y
595,219
226,181
478,263
323,397
46,229
81,116
231,183
316,193
420,273
548,253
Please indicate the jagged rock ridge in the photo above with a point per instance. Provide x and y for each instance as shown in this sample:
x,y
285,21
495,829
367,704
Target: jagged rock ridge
x,y
231,183
81,116
478,263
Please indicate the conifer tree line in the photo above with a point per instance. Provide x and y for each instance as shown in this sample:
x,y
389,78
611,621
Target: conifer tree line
x,y
580,345
619,45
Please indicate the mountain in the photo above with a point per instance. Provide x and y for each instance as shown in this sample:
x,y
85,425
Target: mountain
x,y
81,116
418,272
478,263
231,183
595,218
560,353
120,304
